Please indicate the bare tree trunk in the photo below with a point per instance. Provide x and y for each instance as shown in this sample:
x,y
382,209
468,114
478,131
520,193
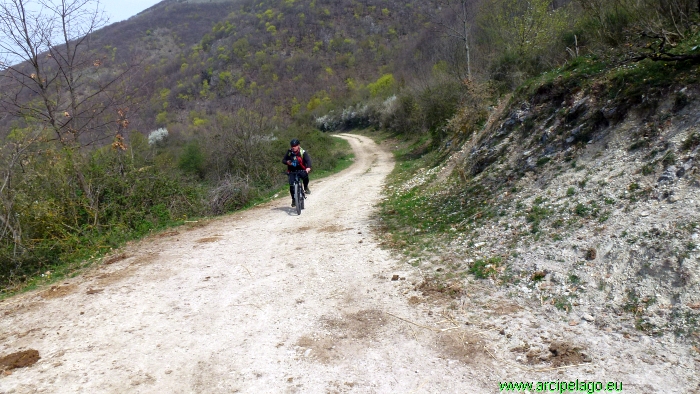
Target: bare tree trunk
x,y
455,21
7,219
14,152
466,36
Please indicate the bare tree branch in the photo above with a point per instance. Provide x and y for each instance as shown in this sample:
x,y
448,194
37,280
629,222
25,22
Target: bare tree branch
x,y
52,79
455,21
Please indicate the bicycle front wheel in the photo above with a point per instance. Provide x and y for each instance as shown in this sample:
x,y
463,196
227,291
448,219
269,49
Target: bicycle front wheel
x,y
297,197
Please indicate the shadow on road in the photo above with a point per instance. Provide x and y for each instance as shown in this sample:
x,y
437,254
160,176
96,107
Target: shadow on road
x,y
289,210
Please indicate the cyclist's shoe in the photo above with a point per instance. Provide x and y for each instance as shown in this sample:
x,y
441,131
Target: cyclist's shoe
x,y
293,204
307,191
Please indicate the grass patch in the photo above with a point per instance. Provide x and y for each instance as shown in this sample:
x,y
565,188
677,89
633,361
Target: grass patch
x,y
636,304
536,215
691,141
563,303
543,160
581,210
485,268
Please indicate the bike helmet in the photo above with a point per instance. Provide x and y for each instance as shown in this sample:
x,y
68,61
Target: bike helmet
x,y
294,142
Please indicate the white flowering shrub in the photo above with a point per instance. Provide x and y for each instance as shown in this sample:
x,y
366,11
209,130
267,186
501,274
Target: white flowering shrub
x,y
352,117
156,136
328,122
389,104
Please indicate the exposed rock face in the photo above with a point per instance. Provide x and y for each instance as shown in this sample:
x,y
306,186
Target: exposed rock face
x,y
603,199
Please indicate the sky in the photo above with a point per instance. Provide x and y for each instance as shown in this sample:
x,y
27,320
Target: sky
x,y
119,10
115,10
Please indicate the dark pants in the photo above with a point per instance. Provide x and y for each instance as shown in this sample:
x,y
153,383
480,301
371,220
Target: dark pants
x,y
304,178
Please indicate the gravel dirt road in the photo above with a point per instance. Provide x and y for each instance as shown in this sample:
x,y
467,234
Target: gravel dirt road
x,y
262,301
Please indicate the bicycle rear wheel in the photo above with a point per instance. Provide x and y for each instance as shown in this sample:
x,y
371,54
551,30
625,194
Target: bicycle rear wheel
x,y
302,197
297,197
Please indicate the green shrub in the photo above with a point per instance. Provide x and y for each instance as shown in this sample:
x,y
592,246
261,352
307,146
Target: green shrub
x,y
437,104
192,160
61,226
405,116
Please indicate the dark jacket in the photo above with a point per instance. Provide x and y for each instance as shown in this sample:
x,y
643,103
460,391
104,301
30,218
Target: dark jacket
x,y
302,158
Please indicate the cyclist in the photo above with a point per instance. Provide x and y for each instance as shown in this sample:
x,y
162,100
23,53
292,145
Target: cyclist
x,y
297,159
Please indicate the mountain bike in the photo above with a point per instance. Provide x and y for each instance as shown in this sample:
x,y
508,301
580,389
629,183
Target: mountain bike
x,y
299,195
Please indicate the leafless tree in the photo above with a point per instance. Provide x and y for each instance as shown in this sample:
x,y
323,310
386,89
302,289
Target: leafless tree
x,y
455,19
51,78
238,141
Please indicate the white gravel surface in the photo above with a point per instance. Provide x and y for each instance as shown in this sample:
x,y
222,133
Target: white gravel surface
x,y
262,301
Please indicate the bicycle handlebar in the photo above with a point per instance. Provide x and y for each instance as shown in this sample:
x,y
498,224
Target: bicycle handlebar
x,y
297,172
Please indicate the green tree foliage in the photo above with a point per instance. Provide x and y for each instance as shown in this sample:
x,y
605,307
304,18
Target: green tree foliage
x,y
383,87
162,118
241,48
524,37
206,42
